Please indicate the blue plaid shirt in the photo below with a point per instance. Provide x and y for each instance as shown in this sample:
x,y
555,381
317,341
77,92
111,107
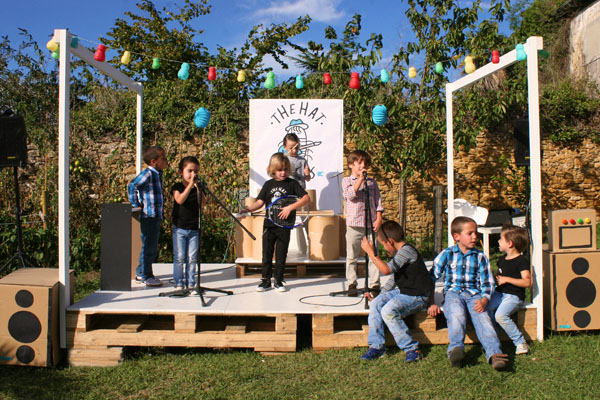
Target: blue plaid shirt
x,y
470,271
146,191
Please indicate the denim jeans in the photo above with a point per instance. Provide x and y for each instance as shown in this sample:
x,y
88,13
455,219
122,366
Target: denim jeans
x,y
150,229
390,308
456,306
185,252
501,307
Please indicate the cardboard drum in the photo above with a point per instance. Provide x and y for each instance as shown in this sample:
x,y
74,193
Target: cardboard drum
x,y
324,238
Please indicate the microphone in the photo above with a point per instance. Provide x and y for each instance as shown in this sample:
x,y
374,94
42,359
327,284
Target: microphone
x,y
365,174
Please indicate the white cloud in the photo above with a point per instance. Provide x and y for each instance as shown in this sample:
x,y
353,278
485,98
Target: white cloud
x,y
319,10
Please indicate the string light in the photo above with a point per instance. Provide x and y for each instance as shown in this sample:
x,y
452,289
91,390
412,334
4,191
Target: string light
x,y
326,78
100,54
384,76
241,76
521,55
354,81
270,81
212,73
155,63
299,82
469,66
126,57
412,73
184,71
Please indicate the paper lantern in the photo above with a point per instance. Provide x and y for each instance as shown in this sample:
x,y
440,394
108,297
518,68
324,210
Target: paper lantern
x,y
52,45
412,72
155,63
326,78
495,56
299,82
379,114
100,54
384,76
126,57
270,81
439,68
212,73
56,53
241,76
202,117
74,42
184,71
469,66
354,81
521,55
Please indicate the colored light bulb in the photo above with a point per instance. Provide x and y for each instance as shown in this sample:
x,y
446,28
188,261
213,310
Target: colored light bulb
x,y
588,221
326,78
580,221
564,221
299,82
241,76
439,68
202,117
74,42
379,114
100,54
155,63
52,45
384,76
126,57
56,53
521,55
469,66
572,221
354,81
270,81
212,73
495,56
184,71
412,72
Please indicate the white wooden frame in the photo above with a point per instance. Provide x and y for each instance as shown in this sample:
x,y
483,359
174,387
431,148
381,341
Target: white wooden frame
x,y
532,46
63,38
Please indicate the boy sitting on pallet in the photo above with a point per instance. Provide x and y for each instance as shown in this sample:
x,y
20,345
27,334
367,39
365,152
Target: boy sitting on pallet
x,y
408,292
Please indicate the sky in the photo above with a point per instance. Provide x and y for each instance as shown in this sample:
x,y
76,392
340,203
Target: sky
x,y
227,25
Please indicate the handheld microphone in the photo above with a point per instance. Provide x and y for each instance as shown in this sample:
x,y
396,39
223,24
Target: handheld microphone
x,y
365,174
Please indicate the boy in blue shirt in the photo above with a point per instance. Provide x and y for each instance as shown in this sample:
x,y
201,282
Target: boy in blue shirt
x,y
468,286
146,191
408,292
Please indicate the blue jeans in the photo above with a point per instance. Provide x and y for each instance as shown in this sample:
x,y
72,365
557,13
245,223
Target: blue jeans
x,y
185,252
456,306
501,307
390,308
150,228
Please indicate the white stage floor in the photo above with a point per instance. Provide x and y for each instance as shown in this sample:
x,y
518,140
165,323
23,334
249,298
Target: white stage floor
x,y
244,301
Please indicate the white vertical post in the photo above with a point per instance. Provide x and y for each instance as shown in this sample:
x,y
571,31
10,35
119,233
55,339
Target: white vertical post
x,y
450,159
138,131
63,178
532,46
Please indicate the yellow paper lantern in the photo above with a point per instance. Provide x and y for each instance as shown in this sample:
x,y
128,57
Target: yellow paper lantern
x,y
412,72
241,76
469,66
52,45
126,58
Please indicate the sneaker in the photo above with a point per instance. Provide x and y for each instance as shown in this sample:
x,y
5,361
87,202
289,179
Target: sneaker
x,y
352,291
279,286
456,357
373,354
179,287
499,361
194,292
153,282
264,285
413,355
139,279
522,348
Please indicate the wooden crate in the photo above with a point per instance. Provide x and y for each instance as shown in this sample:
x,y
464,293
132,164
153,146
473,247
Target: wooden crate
x,y
341,331
97,338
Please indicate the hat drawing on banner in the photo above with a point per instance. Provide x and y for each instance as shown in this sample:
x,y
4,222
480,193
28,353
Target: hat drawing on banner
x,y
296,126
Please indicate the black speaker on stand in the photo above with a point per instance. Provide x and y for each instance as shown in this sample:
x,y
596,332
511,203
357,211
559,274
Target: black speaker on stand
x,y
13,153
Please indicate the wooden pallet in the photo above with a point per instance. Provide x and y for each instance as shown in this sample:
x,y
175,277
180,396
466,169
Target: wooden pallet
x,y
97,339
342,331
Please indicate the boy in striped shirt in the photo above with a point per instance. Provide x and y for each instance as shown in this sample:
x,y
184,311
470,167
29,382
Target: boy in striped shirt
x,y
468,286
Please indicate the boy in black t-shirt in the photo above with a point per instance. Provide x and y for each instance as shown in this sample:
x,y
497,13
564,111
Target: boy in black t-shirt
x,y
513,277
281,185
406,293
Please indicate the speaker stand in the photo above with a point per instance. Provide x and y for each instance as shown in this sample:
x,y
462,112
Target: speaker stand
x,y
20,254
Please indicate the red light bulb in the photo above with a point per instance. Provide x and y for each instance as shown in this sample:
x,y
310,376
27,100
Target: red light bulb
x,y
495,56
212,73
100,54
572,221
327,78
564,221
354,81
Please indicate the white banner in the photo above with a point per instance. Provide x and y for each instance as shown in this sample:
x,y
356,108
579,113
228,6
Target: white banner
x,y
319,126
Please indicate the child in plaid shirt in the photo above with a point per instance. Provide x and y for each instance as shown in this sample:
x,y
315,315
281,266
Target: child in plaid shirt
x,y
354,196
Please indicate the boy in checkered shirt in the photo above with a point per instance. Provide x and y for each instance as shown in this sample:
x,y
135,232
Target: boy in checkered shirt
x,y
354,196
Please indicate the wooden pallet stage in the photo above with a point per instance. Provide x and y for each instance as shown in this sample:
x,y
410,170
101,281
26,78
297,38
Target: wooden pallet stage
x,y
300,267
101,325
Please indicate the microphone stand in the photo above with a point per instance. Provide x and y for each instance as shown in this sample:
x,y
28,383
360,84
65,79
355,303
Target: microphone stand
x,y
368,231
201,289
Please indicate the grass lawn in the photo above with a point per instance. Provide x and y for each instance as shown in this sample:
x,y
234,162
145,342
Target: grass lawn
x,y
564,366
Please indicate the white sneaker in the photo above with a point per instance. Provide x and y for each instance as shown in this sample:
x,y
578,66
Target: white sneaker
x,y
522,348
280,287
